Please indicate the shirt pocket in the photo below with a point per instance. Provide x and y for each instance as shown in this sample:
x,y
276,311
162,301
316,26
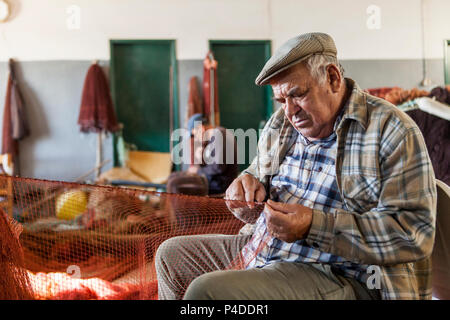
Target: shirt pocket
x,y
361,191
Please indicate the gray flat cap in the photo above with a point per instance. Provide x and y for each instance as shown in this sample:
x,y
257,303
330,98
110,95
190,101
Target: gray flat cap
x,y
294,51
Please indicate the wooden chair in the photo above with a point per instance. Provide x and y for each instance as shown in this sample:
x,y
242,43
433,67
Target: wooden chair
x,y
6,194
6,185
441,250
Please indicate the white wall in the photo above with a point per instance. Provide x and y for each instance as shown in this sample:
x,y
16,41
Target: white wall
x,y
437,28
38,31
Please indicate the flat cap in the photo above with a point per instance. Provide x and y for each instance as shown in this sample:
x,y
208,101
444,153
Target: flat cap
x,y
294,51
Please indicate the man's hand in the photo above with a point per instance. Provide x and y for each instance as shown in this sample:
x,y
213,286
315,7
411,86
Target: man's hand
x,y
288,222
245,188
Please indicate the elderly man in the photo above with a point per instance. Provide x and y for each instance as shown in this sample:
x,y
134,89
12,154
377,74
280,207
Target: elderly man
x,y
351,197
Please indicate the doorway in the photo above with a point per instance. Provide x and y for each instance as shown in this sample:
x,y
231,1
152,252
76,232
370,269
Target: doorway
x,y
145,93
242,104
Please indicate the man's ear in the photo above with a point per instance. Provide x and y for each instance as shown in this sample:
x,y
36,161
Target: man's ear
x,y
334,78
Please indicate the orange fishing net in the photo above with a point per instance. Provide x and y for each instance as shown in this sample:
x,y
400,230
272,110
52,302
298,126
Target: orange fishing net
x,y
14,281
82,241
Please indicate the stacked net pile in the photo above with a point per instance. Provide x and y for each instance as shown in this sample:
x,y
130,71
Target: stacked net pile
x,y
62,240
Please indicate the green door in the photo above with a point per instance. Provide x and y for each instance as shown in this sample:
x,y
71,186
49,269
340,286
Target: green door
x,y
242,103
143,85
447,61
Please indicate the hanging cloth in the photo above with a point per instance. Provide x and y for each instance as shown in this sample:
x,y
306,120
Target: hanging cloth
x,y
194,107
210,90
15,124
96,112
194,101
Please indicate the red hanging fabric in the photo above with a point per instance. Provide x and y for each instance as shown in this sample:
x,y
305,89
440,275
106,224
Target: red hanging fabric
x,y
97,112
194,106
210,64
15,126
194,101
9,145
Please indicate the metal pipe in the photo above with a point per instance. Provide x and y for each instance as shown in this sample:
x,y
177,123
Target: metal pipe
x,y
99,154
211,97
171,106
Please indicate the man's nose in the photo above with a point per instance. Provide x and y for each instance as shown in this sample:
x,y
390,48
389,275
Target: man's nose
x,y
289,107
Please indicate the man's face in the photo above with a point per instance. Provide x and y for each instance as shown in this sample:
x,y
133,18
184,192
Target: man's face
x,y
310,106
201,135
198,132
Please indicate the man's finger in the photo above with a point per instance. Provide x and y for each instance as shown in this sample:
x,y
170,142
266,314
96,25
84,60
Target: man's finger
x,y
236,192
275,217
260,194
249,189
272,231
248,185
283,207
249,195
275,230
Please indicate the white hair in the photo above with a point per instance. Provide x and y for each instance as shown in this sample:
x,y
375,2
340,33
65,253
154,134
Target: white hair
x,y
317,65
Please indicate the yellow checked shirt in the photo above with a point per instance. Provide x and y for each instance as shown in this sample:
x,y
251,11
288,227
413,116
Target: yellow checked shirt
x,y
385,177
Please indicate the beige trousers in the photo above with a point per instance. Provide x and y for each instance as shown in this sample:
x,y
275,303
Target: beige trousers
x,y
192,268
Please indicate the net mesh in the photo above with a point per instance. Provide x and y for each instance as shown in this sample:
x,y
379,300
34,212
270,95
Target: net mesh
x,y
78,241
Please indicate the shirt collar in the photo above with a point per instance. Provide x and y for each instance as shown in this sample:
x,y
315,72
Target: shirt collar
x,y
355,107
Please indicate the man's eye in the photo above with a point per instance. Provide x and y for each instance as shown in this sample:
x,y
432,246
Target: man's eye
x,y
299,97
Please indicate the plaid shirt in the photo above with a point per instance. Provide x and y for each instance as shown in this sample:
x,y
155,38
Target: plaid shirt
x,y
386,183
307,176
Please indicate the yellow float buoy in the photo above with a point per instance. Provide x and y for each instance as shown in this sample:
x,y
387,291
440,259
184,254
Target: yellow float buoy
x,y
71,204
